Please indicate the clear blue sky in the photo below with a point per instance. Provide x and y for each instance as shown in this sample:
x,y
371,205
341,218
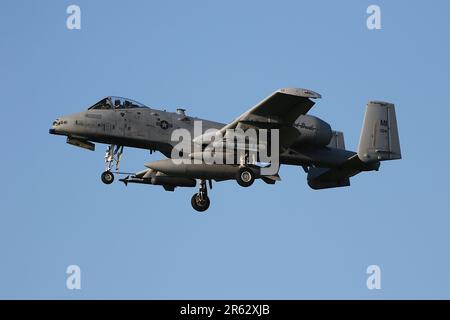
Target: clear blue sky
x,y
218,58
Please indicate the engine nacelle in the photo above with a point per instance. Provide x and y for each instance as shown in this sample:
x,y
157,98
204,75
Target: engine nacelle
x,y
312,131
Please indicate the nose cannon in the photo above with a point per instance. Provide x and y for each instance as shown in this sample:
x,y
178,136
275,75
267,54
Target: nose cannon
x,y
57,124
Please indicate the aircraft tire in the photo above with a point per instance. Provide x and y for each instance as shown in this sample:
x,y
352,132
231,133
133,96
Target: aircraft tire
x,y
107,177
245,177
198,205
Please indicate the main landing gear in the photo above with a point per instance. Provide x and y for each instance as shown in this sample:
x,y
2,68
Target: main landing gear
x,y
245,175
113,155
200,201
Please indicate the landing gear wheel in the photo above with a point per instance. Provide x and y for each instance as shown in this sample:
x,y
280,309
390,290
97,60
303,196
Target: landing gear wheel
x,y
245,177
200,204
107,177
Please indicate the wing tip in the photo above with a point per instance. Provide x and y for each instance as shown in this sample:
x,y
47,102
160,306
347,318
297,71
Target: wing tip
x,y
300,92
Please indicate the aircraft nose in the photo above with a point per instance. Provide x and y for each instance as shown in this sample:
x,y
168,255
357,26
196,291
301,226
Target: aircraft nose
x,y
56,126
55,123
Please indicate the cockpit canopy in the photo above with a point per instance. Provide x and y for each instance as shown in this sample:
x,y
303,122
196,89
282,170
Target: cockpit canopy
x,y
109,103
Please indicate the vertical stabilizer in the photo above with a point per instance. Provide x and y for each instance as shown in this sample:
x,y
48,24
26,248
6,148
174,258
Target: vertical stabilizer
x,y
379,136
337,140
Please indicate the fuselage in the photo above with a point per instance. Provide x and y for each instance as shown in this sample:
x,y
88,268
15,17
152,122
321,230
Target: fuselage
x,y
137,127
128,123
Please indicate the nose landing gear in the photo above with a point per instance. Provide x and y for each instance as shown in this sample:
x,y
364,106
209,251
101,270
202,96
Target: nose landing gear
x,y
107,177
200,201
113,155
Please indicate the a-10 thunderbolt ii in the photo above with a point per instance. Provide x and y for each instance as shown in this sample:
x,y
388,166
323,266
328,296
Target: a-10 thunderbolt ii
x,y
301,139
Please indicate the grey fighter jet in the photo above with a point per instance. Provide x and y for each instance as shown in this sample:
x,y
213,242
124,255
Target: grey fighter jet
x,y
302,140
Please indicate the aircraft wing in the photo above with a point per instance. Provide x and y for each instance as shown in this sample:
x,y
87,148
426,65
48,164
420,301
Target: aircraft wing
x,y
281,108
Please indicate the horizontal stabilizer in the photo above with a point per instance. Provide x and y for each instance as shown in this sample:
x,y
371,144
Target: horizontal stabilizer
x,y
324,178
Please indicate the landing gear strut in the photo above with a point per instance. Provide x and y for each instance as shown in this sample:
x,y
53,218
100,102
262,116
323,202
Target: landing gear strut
x,y
200,201
113,155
